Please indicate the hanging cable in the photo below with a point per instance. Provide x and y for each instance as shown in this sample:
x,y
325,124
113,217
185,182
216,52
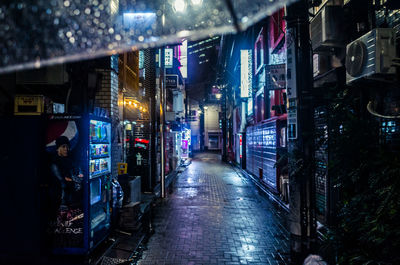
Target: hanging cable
x,y
373,112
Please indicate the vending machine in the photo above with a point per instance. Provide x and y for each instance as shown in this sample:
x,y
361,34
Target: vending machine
x,y
266,143
186,143
79,164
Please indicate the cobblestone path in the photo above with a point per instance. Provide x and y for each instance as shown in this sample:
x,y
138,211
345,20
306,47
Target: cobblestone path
x,y
214,216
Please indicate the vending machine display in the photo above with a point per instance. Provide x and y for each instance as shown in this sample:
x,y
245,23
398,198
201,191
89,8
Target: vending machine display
x,y
186,142
80,165
99,148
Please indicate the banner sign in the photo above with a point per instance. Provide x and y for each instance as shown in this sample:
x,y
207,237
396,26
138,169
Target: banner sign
x,y
246,78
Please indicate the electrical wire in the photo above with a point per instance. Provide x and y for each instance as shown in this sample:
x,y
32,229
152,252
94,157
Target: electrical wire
x,y
373,112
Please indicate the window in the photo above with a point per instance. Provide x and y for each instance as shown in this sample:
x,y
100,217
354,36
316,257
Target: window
x,y
277,27
259,54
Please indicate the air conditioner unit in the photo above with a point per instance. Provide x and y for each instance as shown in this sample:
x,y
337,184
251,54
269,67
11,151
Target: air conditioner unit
x,y
327,29
371,55
52,75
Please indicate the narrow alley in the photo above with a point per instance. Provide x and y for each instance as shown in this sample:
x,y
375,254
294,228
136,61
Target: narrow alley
x,y
215,216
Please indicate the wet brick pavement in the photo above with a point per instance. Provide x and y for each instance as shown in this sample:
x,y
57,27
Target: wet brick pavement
x,y
214,216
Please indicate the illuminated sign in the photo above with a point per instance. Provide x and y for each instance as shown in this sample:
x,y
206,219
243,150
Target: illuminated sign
x,y
141,59
250,106
246,77
139,21
171,81
240,145
182,57
141,143
169,57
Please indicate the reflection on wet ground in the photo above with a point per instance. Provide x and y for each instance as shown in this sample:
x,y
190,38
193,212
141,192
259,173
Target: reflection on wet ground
x,y
215,216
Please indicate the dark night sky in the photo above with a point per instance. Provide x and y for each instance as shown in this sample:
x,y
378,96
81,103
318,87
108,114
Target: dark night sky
x,y
202,76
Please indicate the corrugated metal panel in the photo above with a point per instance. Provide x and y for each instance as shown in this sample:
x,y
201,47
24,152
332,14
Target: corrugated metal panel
x,y
261,152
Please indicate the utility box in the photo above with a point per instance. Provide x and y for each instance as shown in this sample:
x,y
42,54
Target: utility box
x,y
131,186
122,168
32,105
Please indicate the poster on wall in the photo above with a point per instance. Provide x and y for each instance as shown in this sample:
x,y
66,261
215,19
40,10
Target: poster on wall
x,y
66,172
276,77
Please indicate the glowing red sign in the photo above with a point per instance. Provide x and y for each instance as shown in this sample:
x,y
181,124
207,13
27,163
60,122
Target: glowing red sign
x,y
141,140
240,145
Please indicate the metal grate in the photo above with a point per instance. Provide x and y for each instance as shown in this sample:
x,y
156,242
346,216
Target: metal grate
x,y
321,162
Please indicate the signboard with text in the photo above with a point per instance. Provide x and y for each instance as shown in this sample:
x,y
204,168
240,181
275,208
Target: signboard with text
x,y
246,78
276,77
171,81
169,57
291,85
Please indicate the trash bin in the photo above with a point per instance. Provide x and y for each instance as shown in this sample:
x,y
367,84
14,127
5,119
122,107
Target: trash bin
x,y
131,186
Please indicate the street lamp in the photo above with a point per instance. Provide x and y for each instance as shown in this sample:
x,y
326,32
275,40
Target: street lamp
x,y
179,5
196,2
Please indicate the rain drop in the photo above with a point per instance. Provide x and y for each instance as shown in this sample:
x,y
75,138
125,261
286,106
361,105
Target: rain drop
x,y
111,30
72,40
66,3
118,37
87,11
141,38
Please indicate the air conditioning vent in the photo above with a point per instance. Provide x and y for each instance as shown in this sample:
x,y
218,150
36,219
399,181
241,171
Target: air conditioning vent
x,y
327,29
371,55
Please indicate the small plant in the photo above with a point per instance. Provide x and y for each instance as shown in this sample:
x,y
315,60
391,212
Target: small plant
x,y
367,174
